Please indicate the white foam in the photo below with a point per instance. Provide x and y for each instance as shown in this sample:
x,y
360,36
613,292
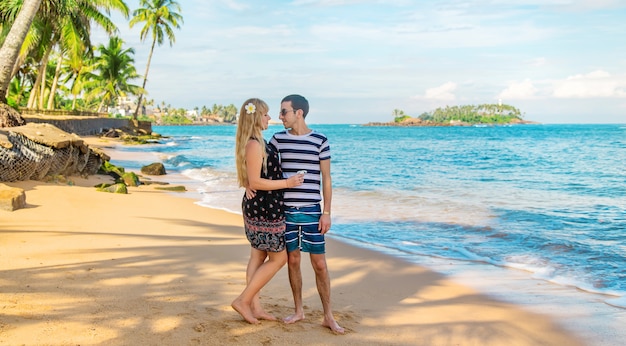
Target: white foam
x,y
618,302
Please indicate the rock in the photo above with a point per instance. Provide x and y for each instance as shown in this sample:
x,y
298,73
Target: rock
x,y
115,188
156,168
9,117
177,188
152,182
50,136
112,170
11,198
131,179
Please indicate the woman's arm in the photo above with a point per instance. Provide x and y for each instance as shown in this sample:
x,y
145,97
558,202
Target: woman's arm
x,y
254,164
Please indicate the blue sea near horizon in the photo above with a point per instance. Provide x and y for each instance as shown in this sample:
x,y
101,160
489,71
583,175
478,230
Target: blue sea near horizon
x,y
545,202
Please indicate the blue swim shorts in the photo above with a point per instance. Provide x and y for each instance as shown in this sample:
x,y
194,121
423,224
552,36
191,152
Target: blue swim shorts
x,y
302,229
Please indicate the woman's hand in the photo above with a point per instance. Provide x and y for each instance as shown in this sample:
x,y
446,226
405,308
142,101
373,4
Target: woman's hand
x,y
295,180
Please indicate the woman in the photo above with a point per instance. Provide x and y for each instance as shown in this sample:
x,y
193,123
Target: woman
x,y
258,168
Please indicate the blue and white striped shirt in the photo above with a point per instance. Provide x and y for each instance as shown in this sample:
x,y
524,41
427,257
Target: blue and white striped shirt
x,y
298,153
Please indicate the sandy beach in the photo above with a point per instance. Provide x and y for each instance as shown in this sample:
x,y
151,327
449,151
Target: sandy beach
x,y
82,267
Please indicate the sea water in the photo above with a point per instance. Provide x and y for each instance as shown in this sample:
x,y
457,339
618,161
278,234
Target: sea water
x,y
541,205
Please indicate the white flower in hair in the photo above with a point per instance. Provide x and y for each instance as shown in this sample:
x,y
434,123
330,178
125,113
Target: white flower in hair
x,y
250,108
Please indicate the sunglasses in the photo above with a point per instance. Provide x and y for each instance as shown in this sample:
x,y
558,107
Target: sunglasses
x,y
284,112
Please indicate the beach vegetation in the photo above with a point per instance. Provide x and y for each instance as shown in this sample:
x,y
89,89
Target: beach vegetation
x,y
159,18
15,25
110,74
474,114
53,65
59,30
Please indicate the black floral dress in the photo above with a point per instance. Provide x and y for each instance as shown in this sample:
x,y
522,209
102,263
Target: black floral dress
x,y
264,215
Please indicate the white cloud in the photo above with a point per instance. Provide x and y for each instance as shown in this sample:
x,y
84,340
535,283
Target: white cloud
x,y
234,5
519,91
538,62
592,85
442,92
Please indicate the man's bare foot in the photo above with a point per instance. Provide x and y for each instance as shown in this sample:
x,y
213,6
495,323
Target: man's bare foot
x,y
332,324
293,318
245,311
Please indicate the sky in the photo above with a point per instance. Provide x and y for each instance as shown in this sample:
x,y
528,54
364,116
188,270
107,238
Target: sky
x,y
356,61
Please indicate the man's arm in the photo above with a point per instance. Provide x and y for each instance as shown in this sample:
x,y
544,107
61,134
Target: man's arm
x,y
327,196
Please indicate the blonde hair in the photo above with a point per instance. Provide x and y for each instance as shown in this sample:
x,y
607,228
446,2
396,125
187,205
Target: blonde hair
x,y
249,126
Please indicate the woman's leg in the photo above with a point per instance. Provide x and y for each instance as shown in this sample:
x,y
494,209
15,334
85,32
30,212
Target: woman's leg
x,y
257,279
256,259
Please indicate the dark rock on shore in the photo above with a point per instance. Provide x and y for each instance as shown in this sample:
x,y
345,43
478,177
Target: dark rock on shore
x,y
156,168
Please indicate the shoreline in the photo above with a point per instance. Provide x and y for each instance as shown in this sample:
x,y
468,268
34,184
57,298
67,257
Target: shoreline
x,y
88,267
585,313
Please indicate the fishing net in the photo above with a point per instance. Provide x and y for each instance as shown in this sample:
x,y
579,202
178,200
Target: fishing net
x,y
22,159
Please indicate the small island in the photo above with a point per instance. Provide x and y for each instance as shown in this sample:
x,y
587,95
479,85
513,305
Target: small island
x,y
468,115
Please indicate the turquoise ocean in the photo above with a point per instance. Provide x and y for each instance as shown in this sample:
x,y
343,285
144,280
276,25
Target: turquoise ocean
x,y
533,214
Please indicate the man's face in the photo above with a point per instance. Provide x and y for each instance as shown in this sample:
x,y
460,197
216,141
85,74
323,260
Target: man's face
x,y
287,114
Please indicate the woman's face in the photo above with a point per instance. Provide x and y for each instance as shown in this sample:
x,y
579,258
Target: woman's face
x,y
266,120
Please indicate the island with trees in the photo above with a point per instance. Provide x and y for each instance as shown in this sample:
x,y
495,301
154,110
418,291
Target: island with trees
x,y
466,115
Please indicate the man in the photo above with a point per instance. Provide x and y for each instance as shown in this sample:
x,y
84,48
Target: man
x,y
302,149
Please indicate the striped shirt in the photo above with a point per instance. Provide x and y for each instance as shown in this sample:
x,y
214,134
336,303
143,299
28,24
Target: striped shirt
x,y
302,153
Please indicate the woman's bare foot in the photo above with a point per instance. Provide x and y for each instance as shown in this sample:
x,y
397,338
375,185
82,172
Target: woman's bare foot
x,y
262,315
245,311
333,325
293,318
258,312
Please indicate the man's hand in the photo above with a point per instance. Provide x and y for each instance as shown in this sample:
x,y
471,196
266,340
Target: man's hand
x,y
324,224
250,193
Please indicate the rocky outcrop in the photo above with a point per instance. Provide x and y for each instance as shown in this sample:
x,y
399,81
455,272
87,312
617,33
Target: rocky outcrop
x,y
34,151
11,198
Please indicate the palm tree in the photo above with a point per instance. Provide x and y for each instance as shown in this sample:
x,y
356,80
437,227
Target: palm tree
x,y
74,70
113,69
159,17
63,26
13,43
8,56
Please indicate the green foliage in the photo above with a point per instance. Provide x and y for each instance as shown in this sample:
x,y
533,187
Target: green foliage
x,y
399,116
472,114
401,119
176,119
113,69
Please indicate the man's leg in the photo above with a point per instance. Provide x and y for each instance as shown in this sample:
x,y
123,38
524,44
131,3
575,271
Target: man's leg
x,y
322,280
295,280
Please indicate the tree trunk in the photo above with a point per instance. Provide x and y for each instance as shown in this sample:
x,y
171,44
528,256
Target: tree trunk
x,y
101,105
41,75
145,79
53,87
13,42
42,87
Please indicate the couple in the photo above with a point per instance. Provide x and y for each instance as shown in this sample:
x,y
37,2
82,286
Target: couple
x,y
281,207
